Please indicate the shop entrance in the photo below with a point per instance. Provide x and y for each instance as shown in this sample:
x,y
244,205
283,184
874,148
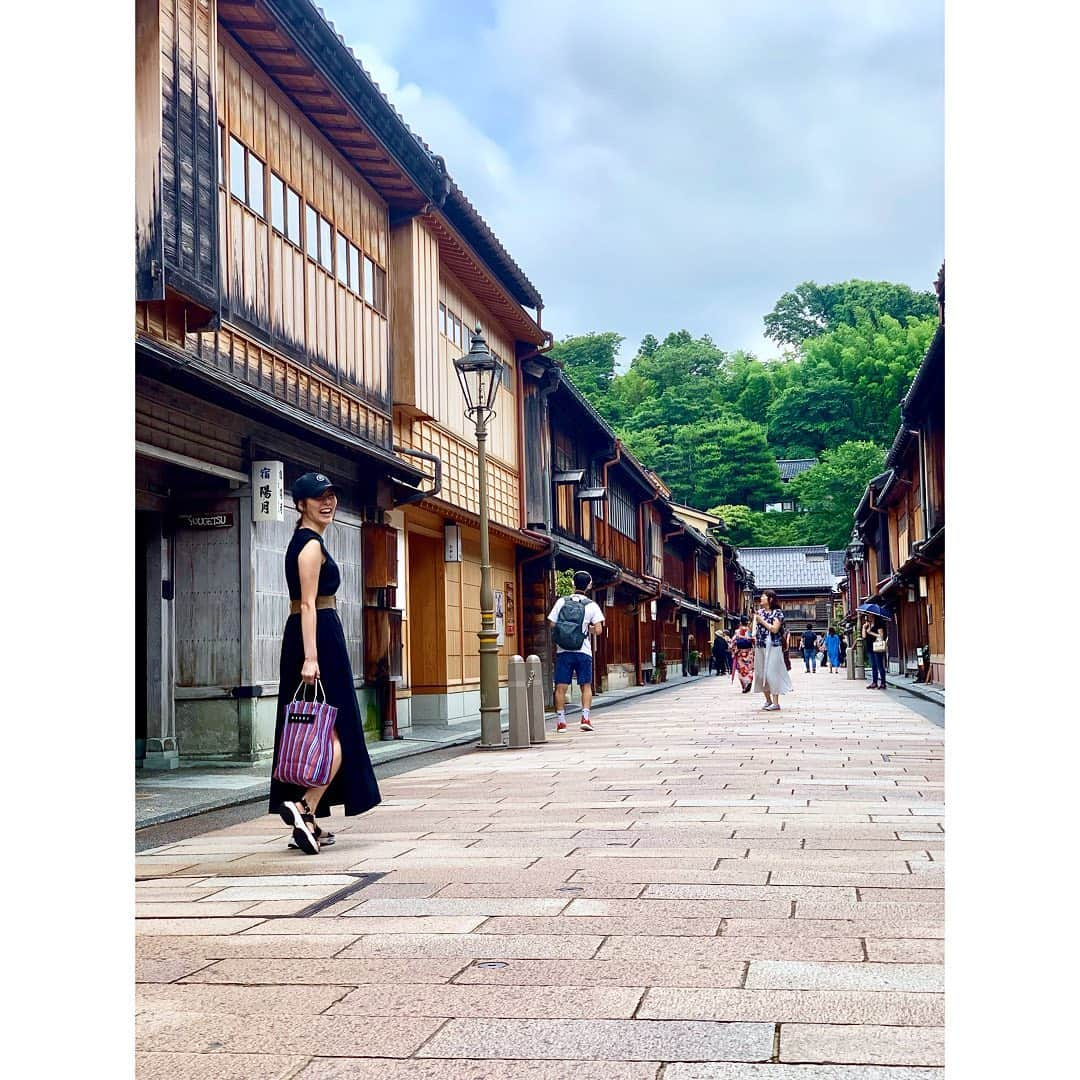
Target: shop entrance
x,y
427,615
143,524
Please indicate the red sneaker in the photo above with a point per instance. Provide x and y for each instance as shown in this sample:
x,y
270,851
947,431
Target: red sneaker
x,y
586,725
560,727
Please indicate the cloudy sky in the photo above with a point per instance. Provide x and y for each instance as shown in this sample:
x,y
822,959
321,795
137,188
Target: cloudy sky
x,y
653,167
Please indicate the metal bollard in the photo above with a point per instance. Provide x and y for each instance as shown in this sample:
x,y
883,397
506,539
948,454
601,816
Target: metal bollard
x,y
519,706
534,688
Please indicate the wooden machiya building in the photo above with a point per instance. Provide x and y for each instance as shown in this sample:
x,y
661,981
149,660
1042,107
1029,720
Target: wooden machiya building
x,y
305,269
595,507
449,274
897,554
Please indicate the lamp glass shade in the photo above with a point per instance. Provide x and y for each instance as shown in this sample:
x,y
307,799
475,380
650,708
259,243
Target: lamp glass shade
x,y
479,374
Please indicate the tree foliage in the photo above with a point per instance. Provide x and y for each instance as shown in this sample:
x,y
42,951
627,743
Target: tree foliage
x,y
811,310
712,423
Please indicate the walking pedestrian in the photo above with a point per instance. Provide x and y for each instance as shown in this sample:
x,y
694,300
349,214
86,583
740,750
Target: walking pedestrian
x,y
575,620
313,649
770,672
876,639
720,652
832,650
742,656
809,649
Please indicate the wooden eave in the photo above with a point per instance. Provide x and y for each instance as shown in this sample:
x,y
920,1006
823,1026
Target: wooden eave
x,y
464,263
300,68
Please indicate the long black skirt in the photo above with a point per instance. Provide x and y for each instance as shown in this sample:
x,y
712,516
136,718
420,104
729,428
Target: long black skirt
x,y
355,785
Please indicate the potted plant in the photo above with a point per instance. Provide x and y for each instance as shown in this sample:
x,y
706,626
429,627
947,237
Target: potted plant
x,y
693,661
661,668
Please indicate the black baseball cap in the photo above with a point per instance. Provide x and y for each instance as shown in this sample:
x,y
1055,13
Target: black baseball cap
x,y
310,486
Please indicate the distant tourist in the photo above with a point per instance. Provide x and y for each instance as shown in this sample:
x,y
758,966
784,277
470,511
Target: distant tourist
x,y
876,640
742,654
575,620
832,650
770,671
809,649
720,652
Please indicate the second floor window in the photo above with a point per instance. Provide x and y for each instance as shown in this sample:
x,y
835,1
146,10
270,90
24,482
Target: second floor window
x,y
246,173
284,209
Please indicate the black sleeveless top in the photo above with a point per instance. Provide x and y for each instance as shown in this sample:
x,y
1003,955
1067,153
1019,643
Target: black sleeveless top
x,y
329,574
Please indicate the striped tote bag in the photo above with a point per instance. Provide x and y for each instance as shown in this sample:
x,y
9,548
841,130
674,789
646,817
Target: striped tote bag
x,y
307,745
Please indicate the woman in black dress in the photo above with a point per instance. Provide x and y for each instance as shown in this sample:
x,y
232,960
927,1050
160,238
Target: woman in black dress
x,y
313,648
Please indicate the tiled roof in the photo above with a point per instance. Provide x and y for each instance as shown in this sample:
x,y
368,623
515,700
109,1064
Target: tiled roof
x,y
788,567
791,467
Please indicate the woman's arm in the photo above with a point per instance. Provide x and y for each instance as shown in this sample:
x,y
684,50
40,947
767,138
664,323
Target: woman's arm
x,y
309,564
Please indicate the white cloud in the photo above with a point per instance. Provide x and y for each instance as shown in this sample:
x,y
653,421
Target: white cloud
x,y
653,167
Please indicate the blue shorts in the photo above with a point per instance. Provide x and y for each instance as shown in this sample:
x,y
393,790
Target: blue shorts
x,y
567,664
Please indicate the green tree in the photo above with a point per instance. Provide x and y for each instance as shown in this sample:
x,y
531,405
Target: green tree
x,y
829,492
811,310
744,527
589,360
876,362
815,412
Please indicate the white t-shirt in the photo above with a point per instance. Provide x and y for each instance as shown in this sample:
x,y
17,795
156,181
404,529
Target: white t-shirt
x,y
593,615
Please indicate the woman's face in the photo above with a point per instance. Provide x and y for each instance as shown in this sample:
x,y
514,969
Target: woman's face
x,y
320,508
763,601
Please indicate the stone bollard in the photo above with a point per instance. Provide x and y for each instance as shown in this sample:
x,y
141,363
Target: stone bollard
x,y
519,706
534,687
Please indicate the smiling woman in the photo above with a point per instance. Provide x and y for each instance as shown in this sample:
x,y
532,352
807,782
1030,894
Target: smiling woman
x,y
314,653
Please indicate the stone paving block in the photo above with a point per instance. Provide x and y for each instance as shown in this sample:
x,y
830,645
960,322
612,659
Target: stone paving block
x,y
451,906
165,969
506,1002
866,1044
152,893
603,925
201,909
242,947
391,890
606,973
932,879
793,1006
794,975
727,872
864,909
479,946
629,1040
719,1071
178,1066
308,893
731,948
313,926
532,890
749,892
902,895
905,950
336,972
344,1035
209,927
832,928
694,909
173,998
415,924
461,1069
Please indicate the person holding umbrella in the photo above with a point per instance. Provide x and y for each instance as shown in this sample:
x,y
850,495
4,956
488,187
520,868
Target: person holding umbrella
x,y
876,640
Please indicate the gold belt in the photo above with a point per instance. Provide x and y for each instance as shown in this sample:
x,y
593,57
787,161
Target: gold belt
x,y
320,602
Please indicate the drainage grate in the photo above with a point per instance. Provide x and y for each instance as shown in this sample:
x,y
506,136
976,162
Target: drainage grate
x,y
362,882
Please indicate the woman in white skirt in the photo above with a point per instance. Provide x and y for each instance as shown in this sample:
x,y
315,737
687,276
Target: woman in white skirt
x,y
770,671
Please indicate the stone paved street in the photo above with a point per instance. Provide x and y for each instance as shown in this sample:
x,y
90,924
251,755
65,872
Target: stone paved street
x,y
697,890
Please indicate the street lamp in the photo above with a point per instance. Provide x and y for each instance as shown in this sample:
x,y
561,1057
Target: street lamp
x,y
479,374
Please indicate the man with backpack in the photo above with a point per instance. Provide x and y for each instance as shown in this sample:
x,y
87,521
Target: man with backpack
x,y
575,621
810,649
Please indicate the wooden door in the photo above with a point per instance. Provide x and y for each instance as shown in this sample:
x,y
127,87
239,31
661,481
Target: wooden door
x,y
427,615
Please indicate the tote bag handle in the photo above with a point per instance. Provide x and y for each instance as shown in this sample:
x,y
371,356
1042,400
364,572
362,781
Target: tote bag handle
x,y
302,696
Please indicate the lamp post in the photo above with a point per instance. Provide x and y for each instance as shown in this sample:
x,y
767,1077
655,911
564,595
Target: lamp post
x,y
478,372
856,553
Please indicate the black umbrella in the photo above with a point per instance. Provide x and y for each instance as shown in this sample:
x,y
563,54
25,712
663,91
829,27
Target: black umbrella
x,y
876,609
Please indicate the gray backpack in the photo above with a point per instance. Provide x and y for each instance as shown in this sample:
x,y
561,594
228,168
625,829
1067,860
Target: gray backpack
x,y
567,632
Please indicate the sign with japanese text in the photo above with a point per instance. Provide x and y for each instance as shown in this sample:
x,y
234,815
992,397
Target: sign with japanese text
x,y
267,491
